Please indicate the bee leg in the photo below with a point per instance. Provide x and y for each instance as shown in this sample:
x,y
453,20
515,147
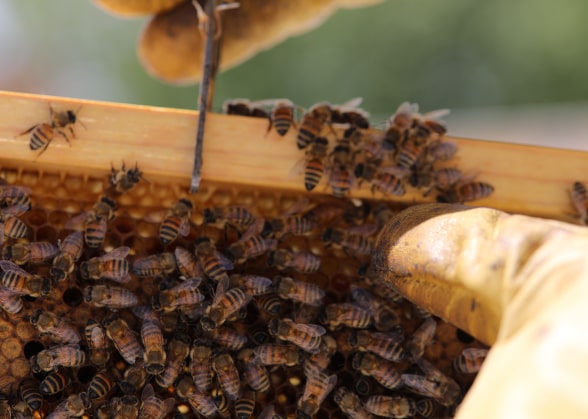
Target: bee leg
x,y
269,128
43,149
27,131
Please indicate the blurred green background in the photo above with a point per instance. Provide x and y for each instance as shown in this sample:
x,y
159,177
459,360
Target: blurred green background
x,y
513,70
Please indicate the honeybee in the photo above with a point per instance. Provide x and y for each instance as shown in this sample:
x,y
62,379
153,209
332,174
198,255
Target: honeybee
x,y
187,263
59,356
421,338
347,314
152,338
354,239
255,374
126,407
98,345
322,358
282,115
70,250
34,252
43,134
245,406
305,262
317,388
312,165
54,383
326,212
252,284
442,179
313,122
224,305
305,336
20,282
249,247
10,226
100,386
202,403
124,180
244,107
212,262
438,150
228,375
392,407
178,349
159,264
152,407
469,191
470,360
10,301
95,221
384,317
57,328
30,394
269,304
177,222
112,265
579,196
350,404
303,292
134,378
109,296
274,354
386,345
433,384
384,372
14,196
228,338
124,340
234,214
350,114
220,399
200,365
184,294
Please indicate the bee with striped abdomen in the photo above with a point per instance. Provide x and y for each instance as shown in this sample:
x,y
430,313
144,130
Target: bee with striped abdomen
x,y
275,354
33,252
54,383
200,365
350,404
316,389
338,315
98,344
384,372
305,336
70,251
255,374
227,374
57,328
59,356
184,294
124,339
109,296
20,282
124,180
157,265
112,265
305,262
177,222
100,386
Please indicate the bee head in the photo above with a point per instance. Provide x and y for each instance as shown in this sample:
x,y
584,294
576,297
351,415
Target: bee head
x,y
272,326
208,216
268,228
71,117
84,270
327,235
207,323
57,274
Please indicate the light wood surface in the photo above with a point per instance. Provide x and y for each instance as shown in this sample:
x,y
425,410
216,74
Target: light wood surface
x,y
529,180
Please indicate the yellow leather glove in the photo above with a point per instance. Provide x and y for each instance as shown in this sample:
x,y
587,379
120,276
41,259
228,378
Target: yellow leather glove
x,y
515,282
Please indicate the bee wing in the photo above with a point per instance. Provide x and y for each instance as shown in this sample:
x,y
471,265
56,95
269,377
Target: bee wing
x,y
14,210
311,329
298,207
148,392
298,168
184,227
254,229
436,115
8,266
394,170
220,290
224,261
408,108
351,103
78,221
14,190
118,253
97,336
168,406
363,230
189,284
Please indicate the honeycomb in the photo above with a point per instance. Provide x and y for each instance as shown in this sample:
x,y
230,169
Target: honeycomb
x,y
57,197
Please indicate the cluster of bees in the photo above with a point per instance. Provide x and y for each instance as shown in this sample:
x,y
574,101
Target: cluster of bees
x,y
406,153
239,315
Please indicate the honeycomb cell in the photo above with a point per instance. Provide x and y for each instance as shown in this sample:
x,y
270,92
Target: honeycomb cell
x,y
6,328
95,186
73,297
123,225
25,331
4,365
35,217
20,368
11,348
73,183
32,347
46,233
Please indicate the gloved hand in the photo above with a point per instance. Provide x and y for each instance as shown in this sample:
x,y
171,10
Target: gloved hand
x,y
171,45
515,282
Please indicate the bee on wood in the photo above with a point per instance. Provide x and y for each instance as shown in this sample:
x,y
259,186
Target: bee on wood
x,y
347,314
157,265
350,404
224,305
42,134
98,345
340,169
59,356
305,336
95,221
433,384
184,294
386,345
470,360
275,354
384,372
54,383
33,252
177,222
228,375
316,389
109,296
100,386
20,282
178,350
30,394
391,407
281,116
200,365
254,373
112,265
284,259
313,163
57,328
244,107
440,151
124,180
313,122
124,340
464,192
579,196
70,251
420,339
152,407
350,114
300,291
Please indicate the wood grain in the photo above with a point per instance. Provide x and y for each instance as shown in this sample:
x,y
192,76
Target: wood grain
x,y
528,180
